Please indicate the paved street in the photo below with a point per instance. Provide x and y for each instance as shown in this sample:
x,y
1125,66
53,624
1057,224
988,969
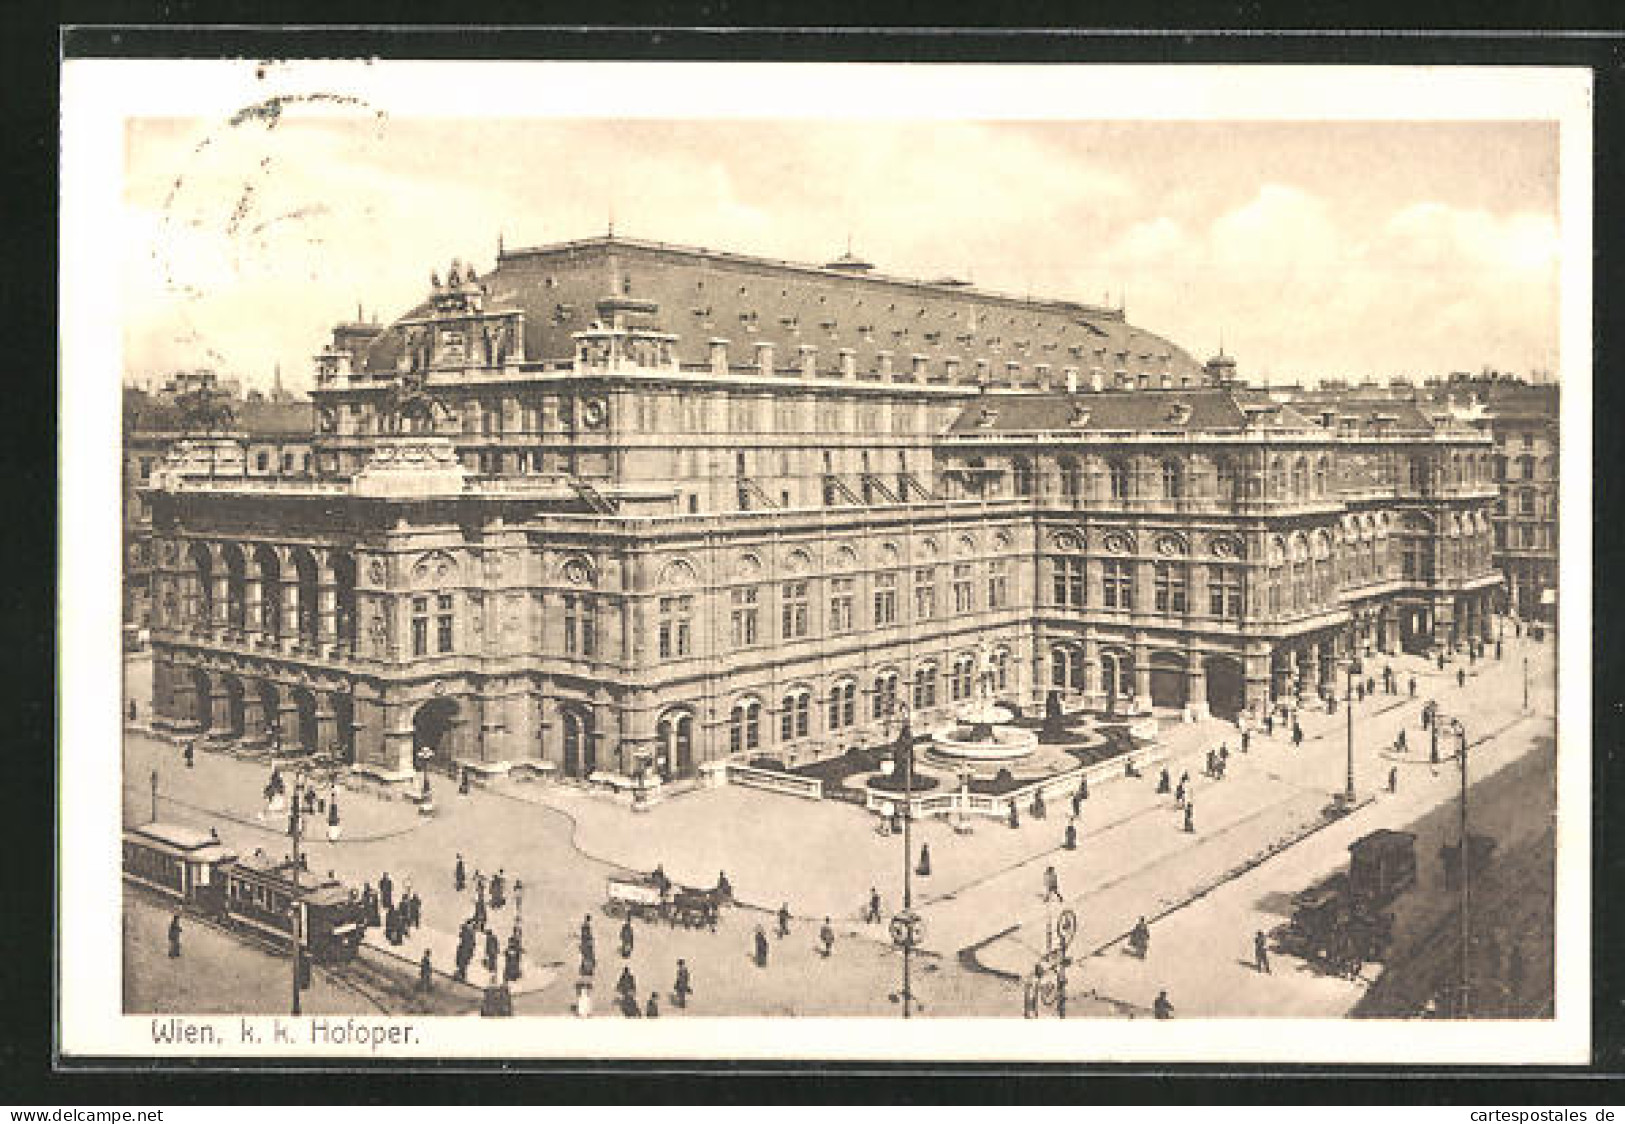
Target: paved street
x,y
985,890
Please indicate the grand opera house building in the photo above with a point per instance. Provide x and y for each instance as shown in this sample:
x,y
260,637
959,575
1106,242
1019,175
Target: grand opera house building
x,y
617,506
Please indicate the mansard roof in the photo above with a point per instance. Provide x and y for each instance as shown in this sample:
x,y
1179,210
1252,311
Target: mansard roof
x,y
705,294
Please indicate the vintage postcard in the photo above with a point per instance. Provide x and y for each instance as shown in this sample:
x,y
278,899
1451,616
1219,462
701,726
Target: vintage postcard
x,y
825,561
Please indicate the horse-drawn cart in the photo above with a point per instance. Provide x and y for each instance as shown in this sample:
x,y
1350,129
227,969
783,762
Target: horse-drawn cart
x,y
643,898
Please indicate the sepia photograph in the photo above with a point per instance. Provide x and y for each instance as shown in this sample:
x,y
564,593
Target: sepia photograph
x,y
828,557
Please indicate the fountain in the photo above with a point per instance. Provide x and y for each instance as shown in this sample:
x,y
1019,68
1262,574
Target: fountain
x,y
983,741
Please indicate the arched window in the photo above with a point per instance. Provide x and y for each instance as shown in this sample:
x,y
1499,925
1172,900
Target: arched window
x,y
925,686
794,714
843,705
1173,479
745,726
885,698
1066,668
1117,473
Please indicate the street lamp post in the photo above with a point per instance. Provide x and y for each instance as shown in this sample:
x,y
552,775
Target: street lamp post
x,y
905,926
1463,857
294,828
1354,668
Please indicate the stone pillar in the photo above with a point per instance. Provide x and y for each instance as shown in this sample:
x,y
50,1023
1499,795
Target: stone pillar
x,y
917,371
1142,676
1485,623
219,714
255,730
290,615
253,603
1293,676
327,610
719,356
764,358
288,726
807,360
493,731
1256,689
1195,686
1327,667
221,593
327,726
1094,681
885,358
183,699
849,363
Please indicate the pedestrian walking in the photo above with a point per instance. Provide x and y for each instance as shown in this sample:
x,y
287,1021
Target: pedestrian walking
x,y
1039,810
1052,884
189,754
463,783
626,939
1083,788
175,937
1179,795
1015,817
392,925
1261,953
1269,725
493,950
589,962
369,903
465,951
512,959
784,920
826,937
459,874
1370,686
425,973
1070,841
1246,740
924,867
651,1009
761,947
1297,735
1029,993
683,987
1139,938
872,914
499,892
1190,819
1160,1007
1077,804
386,892
1393,779
132,710
479,913
1461,677
627,985
1400,742
585,939
1497,649
1413,686
1163,782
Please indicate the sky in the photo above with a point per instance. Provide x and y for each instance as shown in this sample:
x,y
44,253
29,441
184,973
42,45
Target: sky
x,y
1311,250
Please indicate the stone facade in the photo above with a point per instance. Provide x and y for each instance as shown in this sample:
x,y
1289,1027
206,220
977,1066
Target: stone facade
x,y
612,546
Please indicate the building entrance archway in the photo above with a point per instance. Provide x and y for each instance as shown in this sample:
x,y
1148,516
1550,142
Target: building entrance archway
x,y
676,736
1168,680
304,724
434,735
1226,686
234,707
201,708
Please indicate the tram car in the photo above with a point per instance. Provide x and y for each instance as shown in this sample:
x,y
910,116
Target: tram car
x,y
181,863
196,871
260,890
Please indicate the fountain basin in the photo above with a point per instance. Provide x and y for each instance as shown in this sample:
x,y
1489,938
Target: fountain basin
x,y
976,743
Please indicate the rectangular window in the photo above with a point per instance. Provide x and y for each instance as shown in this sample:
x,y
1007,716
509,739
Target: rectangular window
x,y
964,591
744,617
572,627
1069,582
1117,580
1170,588
1224,592
840,604
420,626
885,600
794,610
925,594
676,626
443,620
998,586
